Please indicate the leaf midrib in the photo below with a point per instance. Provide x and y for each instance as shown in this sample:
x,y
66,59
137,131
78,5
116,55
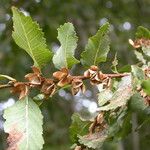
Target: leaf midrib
x,y
27,123
97,53
65,48
28,43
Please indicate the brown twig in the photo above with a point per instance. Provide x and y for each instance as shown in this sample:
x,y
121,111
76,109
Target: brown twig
x,y
118,75
5,86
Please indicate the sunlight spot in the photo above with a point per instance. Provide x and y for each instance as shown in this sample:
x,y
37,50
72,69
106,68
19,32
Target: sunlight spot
x,y
127,26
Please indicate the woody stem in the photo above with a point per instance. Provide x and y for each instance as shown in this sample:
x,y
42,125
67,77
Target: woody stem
x,y
119,75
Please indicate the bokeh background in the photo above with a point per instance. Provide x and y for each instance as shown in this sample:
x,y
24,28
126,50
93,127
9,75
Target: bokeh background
x,y
86,15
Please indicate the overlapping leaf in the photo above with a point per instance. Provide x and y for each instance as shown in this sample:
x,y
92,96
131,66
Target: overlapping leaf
x,y
121,96
29,37
104,96
24,125
137,76
97,48
140,57
64,57
95,140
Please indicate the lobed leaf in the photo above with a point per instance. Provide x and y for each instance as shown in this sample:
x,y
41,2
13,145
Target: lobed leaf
x,y
97,47
24,125
64,57
28,35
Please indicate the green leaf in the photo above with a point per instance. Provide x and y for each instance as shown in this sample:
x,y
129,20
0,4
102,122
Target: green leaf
x,y
137,103
146,86
137,72
104,96
28,35
97,47
64,57
24,125
126,68
140,57
137,76
94,140
121,96
121,127
146,50
78,127
142,33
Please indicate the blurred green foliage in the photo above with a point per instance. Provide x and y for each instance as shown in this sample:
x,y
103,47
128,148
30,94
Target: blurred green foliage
x,y
124,16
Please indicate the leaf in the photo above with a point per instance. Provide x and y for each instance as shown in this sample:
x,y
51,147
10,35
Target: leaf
x,y
137,72
137,76
28,35
104,96
64,57
121,96
137,103
140,57
126,68
78,127
146,86
142,33
24,125
121,127
94,140
97,48
146,50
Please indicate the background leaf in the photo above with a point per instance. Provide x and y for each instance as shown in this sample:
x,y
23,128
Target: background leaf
x,y
146,86
97,48
64,57
78,127
24,125
142,33
137,103
29,37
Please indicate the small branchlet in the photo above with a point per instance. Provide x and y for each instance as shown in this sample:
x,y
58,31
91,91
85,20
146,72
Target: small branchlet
x,y
61,78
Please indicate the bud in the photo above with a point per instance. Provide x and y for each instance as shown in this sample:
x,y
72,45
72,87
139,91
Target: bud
x,y
21,88
63,76
77,85
48,87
